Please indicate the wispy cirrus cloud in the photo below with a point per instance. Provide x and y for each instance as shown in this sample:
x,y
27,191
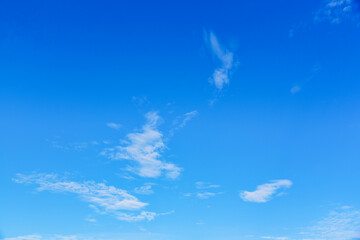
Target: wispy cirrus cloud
x,y
144,149
335,11
203,185
93,236
265,192
113,125
50,237
340,224
26,237
105,199
221,75
274,238
182,120
204,191
146,189
90,219
206,194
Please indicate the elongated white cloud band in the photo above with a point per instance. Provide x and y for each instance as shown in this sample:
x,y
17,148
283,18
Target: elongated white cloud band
x,y
220,76
144,149
106,199
274,238
182,120
203,185
264,192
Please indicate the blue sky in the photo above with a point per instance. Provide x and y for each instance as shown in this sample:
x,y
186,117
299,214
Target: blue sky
x,y
172,120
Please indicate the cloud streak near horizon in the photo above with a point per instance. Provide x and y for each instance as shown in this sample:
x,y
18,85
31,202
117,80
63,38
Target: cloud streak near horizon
x,y
103,198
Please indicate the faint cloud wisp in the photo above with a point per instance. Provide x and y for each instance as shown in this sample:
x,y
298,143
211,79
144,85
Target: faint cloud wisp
x,y
220,77
115,126
335,11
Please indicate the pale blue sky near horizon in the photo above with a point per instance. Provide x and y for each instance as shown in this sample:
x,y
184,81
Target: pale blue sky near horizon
x,y
172,120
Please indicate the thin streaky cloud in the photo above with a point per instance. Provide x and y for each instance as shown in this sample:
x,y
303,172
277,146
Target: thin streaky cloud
x,y
182,120
144,190
274,238
206,195
204,191
26,237
187,117
221,75
340,224
50,237
90,219
143,149
106,199
265,192
336,11
203,185
115,126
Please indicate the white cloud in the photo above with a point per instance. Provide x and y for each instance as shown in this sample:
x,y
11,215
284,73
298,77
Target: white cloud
x,y
50,237
220,76
264,192
275,238
26,237
140,101
144,149
206,195
105,199
183,119
202,185
115,126
90,219
336,11
295,89
144,190
203,193
340,224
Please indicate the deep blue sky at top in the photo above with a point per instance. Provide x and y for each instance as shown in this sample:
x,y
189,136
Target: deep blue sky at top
x,y
64,48
69,67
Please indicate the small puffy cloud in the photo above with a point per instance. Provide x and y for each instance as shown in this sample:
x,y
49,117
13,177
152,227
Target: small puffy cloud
x,y
221,74
115,126
264,192
295,89
143,148
103,198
